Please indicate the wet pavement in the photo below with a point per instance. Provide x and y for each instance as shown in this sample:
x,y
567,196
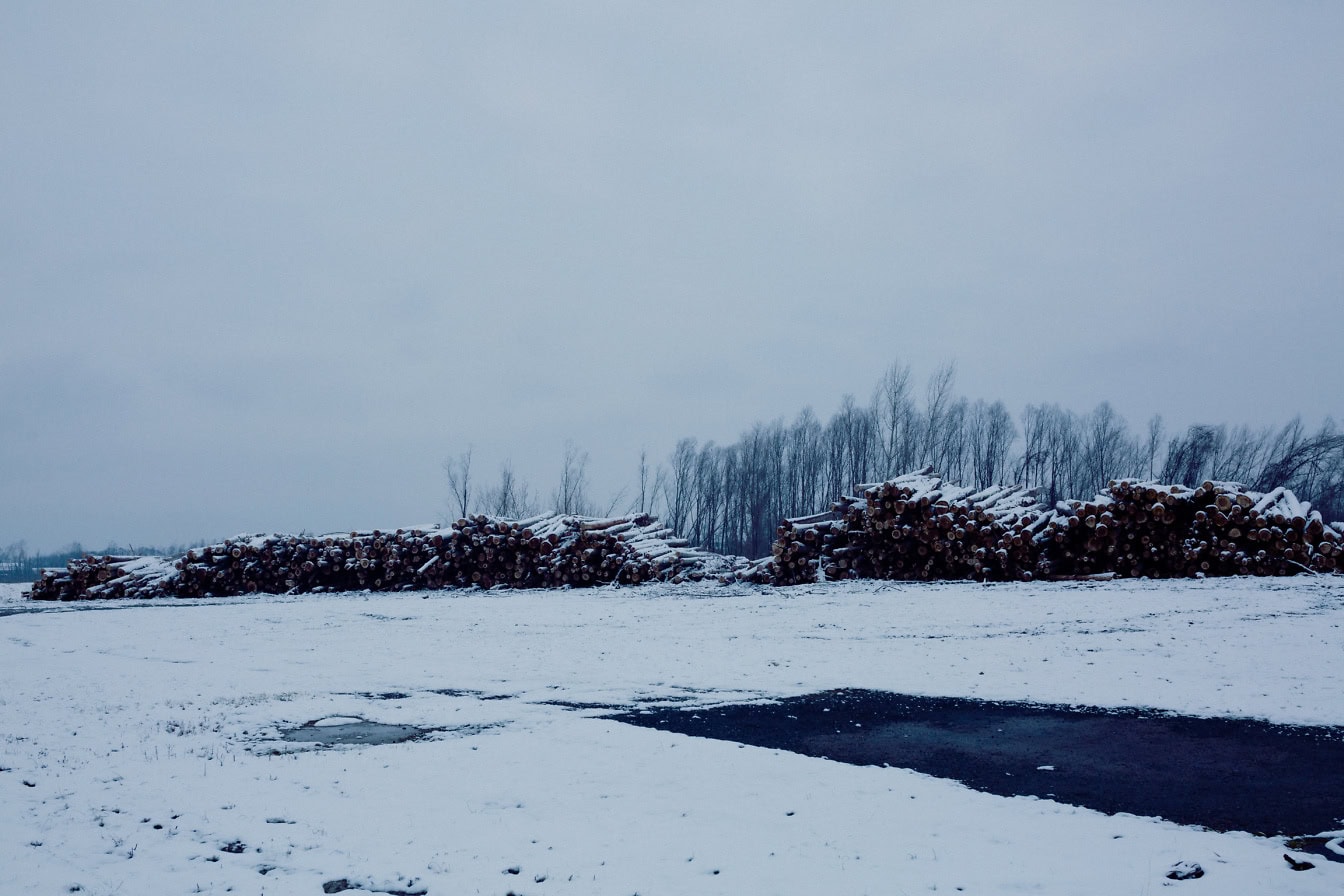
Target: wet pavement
x,y
1222,774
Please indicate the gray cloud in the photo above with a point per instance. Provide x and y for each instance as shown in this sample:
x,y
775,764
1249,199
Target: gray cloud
x,y
264,268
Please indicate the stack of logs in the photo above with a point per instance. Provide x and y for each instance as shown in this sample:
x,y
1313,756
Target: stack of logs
x,y
105,576
916,527
810,548
1217,529
919,527
546,551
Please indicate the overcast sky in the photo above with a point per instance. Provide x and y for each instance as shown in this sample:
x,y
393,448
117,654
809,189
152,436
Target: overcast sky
x,y
263,267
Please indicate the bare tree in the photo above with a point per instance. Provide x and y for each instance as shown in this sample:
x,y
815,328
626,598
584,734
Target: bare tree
x,y
1109,452
657,489
835,456
1154,443
991,436
642,505
458,470
804,465
571,496
1190,458
709,496
938,398
511,498
896,421
616,501
1312,466
1242,454
1287,440
762,482
953,446
1031,464
679,486
1061,450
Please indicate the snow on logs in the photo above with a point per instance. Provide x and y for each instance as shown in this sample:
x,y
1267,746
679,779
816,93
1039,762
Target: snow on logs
x,y
916,527
1217,528
919,527
546,551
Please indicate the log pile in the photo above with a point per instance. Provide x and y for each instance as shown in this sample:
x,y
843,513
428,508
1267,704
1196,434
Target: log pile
x,y
919,527
1217,529
812,548
915,527
922,527
104,577
546,551
1131,529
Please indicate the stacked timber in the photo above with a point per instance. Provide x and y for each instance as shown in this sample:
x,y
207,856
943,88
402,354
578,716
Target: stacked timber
x,y
1130,529
1238,532
915,527
545,551
1150,529
104,577
920,527
814,548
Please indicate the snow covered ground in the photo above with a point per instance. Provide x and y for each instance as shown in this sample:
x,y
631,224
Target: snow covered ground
x,y
141,751
11,594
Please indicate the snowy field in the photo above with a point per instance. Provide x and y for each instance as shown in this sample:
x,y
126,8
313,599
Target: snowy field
x,y
141,753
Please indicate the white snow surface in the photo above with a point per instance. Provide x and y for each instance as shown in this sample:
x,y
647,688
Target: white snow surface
x,y
12,593
141,752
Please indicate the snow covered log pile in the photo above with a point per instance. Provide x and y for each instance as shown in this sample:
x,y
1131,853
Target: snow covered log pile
x,y
104,577
919,527
810,546
916,527
1163,531
547,551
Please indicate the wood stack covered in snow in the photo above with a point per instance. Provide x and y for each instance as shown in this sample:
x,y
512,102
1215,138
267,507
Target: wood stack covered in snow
x,y
546,551
812,548
922,527
104,577
1131,529
1218,528
915,527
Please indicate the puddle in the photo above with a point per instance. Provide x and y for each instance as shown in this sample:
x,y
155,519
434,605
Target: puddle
x,y
1222,774
348,730
466,692
580,704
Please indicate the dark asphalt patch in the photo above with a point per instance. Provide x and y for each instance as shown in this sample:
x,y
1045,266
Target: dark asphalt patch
x,y
1222,774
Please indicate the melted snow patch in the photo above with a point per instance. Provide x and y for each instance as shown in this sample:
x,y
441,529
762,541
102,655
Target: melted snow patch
x,y
348,730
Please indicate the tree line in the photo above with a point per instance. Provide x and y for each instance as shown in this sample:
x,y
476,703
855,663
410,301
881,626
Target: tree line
x,y
730,498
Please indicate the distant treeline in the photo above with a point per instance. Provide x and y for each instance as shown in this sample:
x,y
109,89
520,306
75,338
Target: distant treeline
x,y
730,498
17,565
